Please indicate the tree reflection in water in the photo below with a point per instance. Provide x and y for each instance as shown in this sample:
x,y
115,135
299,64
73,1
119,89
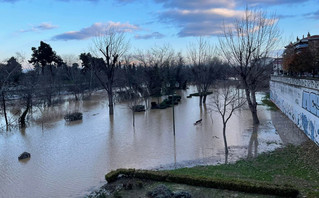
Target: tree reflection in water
x,y
253,143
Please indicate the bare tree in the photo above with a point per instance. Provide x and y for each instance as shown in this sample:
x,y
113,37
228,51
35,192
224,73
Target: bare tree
x,y
156,62
112,45
225,101
74,75
133,103
247,45
200,56
9,75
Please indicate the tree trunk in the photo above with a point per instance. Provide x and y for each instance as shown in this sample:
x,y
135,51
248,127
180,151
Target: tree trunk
x,y
254,112
5,111
76,96
252,151
133,111
111,106
49,98
49,91
224,135
90,83
24,114
252,105
200,99
204,98
146,103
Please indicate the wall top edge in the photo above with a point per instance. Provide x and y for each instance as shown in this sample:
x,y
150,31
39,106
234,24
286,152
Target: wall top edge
x,y
308,83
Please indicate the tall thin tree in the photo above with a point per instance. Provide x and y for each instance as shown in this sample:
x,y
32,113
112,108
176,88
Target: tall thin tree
x,y
110,46
225,102
246,45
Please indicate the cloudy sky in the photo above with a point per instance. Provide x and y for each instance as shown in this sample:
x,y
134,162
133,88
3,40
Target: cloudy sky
x,y
69,25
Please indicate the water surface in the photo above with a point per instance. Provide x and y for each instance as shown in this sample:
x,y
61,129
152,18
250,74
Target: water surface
x,y
70,160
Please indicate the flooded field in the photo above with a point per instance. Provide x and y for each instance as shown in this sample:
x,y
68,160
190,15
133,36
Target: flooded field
x,y
70,159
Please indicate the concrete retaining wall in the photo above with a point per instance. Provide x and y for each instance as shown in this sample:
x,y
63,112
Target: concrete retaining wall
x,y
299,100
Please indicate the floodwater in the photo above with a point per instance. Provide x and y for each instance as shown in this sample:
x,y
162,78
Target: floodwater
x,y
70,160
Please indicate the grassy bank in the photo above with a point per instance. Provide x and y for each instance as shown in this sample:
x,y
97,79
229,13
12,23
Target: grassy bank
x,y
267,102
276,173
293,166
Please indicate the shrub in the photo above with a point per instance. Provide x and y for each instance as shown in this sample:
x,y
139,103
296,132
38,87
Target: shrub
x,y
112,176
152,175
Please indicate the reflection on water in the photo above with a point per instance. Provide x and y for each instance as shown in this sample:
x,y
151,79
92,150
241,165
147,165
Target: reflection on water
x,y
70,159
253,143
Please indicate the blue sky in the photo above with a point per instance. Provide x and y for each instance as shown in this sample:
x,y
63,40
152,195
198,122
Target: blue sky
x,y
69,25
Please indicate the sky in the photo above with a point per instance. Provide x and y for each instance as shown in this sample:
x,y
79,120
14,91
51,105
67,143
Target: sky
x,y
69,26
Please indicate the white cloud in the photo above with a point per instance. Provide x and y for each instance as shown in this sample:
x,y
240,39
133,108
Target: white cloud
x,y
36,28
95,30
154,35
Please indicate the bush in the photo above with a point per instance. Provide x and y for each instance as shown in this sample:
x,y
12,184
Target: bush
x,y
139,108
197,94
151,175
73,116
112,176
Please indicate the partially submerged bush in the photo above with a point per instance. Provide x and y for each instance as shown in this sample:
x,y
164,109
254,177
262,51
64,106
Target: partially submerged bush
x,y
197,94
73,116
139,108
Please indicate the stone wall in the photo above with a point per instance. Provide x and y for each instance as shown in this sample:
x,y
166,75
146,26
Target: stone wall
x,y
299,100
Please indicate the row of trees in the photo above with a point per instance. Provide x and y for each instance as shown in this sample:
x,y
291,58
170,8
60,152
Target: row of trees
x,y
147,73
140,76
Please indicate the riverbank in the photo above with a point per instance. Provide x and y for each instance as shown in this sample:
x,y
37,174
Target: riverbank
x,y
295,167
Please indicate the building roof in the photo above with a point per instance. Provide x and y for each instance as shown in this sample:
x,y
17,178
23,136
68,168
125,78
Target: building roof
x,y
302,43
314,37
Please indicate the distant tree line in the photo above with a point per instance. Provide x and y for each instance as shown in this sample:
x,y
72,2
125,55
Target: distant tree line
x,y
154,72
138,76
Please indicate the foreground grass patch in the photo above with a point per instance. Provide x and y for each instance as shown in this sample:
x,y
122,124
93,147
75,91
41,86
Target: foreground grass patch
x,y
210,182
293,166
285,172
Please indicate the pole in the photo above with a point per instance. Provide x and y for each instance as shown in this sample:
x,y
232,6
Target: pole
x,y
173,115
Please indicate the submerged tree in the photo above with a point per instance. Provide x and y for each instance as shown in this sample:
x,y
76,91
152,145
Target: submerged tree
x,y
71,72
200,55
246,46
28,92
111,45
9,76
47,59
225,101
156,63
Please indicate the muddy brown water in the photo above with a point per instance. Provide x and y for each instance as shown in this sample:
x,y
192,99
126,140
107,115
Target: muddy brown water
x,y
70,160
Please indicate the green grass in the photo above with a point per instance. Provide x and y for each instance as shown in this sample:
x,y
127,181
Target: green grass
x,y
267,102
293,166
280,172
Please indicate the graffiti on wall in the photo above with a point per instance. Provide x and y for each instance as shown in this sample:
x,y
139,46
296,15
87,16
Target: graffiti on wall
x,y
304,115
310,102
